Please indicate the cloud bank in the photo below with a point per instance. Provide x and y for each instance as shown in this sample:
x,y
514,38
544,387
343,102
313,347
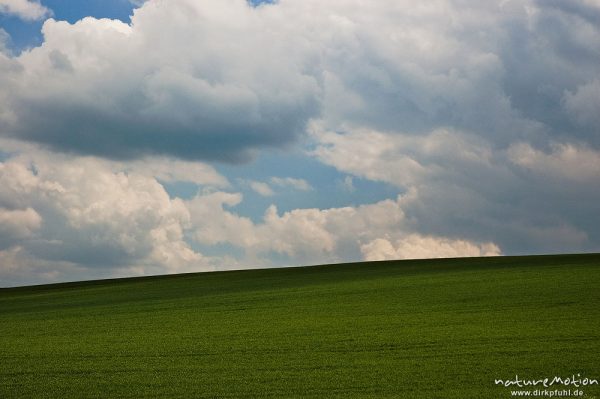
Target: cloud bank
x,y
483,115
323,235
65,218
217,80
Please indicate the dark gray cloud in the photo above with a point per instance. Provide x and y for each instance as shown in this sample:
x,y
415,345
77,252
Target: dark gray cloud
x,y
85,129
497,70
587,11
553,55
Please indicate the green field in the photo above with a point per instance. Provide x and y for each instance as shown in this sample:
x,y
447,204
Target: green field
x,y
405,329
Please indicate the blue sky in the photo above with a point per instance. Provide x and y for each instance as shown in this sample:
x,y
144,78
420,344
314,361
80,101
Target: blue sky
x,y
164,137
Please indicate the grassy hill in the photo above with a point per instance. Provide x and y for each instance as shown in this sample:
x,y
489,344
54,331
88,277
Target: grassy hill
x,y
414,329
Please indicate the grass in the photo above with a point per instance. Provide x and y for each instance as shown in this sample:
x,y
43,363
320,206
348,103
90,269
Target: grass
x,y
406,329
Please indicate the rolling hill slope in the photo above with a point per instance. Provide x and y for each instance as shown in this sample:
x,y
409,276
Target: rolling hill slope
x,y
414,329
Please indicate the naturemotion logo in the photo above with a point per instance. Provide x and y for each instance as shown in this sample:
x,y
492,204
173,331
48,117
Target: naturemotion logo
x,y
573,381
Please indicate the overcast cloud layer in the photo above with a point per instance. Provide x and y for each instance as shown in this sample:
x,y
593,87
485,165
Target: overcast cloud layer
x,y
485,116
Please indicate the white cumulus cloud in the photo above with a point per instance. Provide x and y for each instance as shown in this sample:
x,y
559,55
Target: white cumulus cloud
x,y
85,213
318,235
184,78
24,9
415,246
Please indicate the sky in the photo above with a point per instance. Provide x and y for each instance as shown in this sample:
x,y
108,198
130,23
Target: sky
x,y
155,137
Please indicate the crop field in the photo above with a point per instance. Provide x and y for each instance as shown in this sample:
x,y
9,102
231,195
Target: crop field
x,y
400,329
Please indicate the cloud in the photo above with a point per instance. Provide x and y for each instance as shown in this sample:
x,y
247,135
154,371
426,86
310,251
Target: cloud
x,y
84,213
24,9
186,79
296,184
520,198
347,184
4,41
17,267
261,188
317,235
301,234
17,224
483,115
415,246
583,104
174,170
181,80
266,190
566,161
396,158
